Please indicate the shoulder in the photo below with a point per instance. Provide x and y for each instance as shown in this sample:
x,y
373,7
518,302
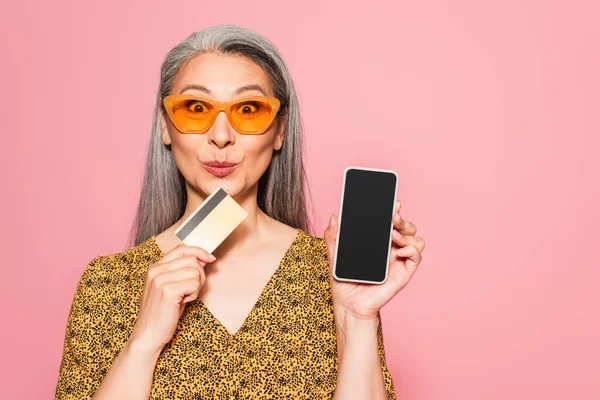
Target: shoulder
x,y
313,247
313,255
126,261
108,290
108,271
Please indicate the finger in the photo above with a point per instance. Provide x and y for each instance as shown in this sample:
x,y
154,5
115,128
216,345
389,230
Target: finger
x,y
403,240
331,230
403,226
420,244
185,250
330,236
398,206
194,295
180,274
411,253
176,291
186,261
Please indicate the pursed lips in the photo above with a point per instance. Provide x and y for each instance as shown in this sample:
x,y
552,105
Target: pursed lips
x,y
219,169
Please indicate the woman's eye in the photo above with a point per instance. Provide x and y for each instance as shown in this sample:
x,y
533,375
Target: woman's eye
x,y
248,108
195,106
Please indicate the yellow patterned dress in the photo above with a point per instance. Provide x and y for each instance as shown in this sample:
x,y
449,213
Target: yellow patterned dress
x,y
285,349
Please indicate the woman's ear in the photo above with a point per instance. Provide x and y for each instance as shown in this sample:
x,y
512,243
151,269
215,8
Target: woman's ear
x,y
280,133
166,138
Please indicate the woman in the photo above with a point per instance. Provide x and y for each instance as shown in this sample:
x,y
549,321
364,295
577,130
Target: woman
x,y
261,318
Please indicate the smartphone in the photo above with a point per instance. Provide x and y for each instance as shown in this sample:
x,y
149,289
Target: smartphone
x,y
365,225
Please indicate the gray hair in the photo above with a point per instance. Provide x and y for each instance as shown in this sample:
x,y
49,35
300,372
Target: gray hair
x,y
163,197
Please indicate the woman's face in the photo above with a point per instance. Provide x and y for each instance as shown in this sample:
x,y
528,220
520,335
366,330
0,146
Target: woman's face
x,y
218,77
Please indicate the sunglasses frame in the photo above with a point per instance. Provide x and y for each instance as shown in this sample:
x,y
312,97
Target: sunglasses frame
x,y
171,100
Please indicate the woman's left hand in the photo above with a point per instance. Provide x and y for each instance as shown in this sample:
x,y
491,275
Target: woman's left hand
x,y
364,300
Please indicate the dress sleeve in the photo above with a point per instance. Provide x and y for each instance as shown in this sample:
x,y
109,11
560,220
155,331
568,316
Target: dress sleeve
x,y
387,377
86,344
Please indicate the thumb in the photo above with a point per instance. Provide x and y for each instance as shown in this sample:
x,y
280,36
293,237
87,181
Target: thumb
x,y
331,231
331,236
333,222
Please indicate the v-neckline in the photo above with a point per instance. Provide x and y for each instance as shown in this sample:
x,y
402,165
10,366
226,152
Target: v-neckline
x,y
259,300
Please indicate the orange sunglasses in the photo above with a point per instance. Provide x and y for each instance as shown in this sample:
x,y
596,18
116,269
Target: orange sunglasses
x,y
193,114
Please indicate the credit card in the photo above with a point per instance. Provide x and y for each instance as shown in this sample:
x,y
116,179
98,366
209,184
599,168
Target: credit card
x,y
212,221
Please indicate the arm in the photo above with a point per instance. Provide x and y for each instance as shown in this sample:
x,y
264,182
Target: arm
x,y
86,358
89,359
83,354
130,376
362,369
357,305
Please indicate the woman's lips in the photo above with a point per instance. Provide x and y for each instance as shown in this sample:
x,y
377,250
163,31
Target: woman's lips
x,y
219,171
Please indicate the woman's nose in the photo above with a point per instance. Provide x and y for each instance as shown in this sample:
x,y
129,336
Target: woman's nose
x,y
221,133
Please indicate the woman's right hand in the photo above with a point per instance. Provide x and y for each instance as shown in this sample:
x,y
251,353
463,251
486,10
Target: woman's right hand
x,y
171,282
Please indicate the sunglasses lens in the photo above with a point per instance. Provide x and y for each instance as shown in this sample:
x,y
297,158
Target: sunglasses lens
x,y
192,115
252,116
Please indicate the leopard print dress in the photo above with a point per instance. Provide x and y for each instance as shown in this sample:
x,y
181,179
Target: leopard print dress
x,y
285,349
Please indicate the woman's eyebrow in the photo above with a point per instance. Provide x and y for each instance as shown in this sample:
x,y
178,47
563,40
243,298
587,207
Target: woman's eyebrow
x,y
250,87
239,90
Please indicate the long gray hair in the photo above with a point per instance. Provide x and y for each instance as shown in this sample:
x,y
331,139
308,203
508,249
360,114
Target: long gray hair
x,y
280,189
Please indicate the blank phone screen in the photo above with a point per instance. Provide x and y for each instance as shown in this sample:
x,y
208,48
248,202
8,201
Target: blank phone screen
x,y
365,225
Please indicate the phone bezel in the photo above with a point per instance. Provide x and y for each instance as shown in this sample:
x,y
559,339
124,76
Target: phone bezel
x,y
337,241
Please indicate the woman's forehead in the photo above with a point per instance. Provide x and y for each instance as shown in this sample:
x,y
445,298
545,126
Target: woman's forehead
x,y
215,74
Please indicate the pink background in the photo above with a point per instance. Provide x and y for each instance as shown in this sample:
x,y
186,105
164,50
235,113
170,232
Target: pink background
x,y
487,110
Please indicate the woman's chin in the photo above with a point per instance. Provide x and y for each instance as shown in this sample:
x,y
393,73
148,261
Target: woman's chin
x,y
230,186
